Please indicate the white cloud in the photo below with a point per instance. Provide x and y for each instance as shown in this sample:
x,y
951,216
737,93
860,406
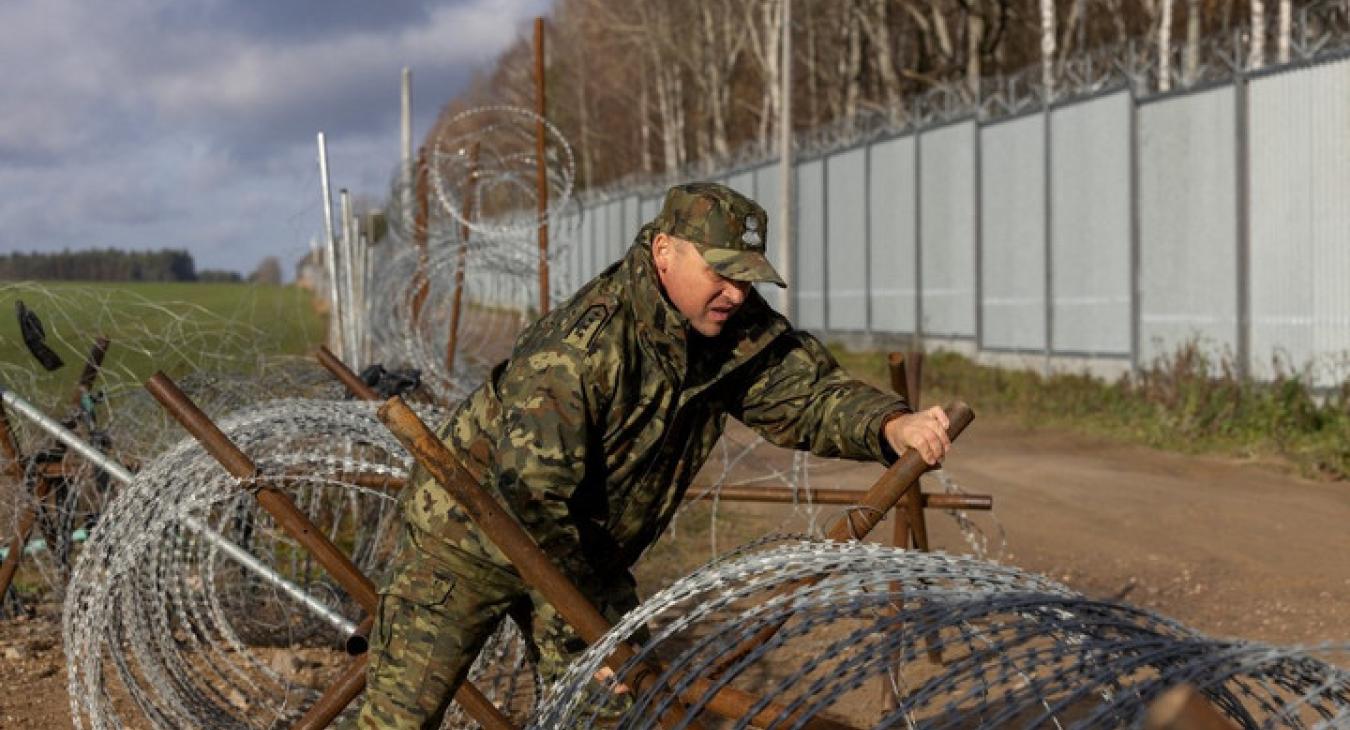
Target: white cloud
x,y
151,123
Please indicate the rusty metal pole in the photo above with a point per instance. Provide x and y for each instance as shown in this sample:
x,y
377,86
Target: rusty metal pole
x,y
294,523
42,487
14,468
537,570
421,221
899,479
541,162
900,384
93,364
461,260
344,374
776,495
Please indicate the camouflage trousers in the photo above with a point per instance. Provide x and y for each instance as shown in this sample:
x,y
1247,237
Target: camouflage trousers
x,y
434,616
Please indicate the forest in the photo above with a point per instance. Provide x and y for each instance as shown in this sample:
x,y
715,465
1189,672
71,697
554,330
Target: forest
x,y
649,87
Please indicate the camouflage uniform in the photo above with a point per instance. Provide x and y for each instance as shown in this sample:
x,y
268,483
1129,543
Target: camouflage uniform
x,y
590,435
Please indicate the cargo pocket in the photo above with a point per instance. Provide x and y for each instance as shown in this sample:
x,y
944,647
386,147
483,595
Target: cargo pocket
x,y
410,619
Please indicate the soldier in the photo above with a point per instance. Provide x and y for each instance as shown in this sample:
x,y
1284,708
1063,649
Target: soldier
x,y
591,433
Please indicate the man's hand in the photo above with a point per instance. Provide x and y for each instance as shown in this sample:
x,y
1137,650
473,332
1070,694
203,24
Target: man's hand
x,y
605,675
925,432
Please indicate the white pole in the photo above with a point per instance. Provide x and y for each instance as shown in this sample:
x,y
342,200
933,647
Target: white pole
x,y
115,470
405,128
785,163
348,275
330,252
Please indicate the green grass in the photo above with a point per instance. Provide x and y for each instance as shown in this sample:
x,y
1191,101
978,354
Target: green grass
x,y
175,327
1185,402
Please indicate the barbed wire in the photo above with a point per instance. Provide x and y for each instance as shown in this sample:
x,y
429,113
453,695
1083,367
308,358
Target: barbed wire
x,y
1321,31
1014,649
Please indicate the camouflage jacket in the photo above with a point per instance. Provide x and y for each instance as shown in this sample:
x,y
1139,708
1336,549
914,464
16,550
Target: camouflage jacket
x,y
593,430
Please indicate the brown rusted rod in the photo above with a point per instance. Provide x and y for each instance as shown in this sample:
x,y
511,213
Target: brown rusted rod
x,y
421,223
277,503
900,478
14,468
777,495
538,570
541,161
461,261
914,379
335,699
288,517
895,363
92,365
344,374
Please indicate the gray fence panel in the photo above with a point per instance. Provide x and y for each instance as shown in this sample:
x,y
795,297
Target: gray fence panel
x,y
1300,221
1090,226
651,207
768,194
744,183
587,243
890,190
947,233
614,233
809,253
846,240
1188,224
1012,214
632,221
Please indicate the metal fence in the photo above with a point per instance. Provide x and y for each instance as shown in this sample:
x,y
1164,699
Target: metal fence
x,y
1104,231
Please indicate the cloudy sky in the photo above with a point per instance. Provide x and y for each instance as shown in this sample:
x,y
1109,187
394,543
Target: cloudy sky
x,y
191,123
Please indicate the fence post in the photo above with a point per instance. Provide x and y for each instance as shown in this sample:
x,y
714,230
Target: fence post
x,y
1242,111
1135,246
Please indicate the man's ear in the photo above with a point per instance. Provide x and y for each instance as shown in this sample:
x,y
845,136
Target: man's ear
x,y
661,251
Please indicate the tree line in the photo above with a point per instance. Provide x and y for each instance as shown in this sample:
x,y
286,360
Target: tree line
x,y
108,265
650,87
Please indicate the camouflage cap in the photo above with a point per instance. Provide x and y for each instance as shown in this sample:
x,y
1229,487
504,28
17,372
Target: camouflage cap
x,y
728,228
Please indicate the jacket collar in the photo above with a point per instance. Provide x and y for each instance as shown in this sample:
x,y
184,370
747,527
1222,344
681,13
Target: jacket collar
x,y
666,332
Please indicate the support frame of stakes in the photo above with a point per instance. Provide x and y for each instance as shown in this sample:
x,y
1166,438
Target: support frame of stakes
x,y
43,477
337,564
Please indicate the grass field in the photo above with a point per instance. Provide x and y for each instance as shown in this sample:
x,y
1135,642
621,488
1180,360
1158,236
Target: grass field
x,y
175,327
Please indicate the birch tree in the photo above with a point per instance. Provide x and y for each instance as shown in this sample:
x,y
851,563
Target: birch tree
x,y
1257,57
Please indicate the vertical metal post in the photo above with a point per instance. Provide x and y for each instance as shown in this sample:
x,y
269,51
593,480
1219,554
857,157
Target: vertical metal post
x,y
1243,174
918,238
1136,249
1048,190
785,167
979,233
867,240
541,162
460,262
405,139
330,249
825,242
347,276
421,224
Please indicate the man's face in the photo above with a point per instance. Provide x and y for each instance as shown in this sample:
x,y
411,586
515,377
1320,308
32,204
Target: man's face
x,y
707,299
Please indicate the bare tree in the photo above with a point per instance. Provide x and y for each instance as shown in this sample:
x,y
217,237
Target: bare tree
x,y
1192,41
1257,57
1165,46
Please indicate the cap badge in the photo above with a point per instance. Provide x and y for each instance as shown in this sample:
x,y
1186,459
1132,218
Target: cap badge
x,y
751,236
